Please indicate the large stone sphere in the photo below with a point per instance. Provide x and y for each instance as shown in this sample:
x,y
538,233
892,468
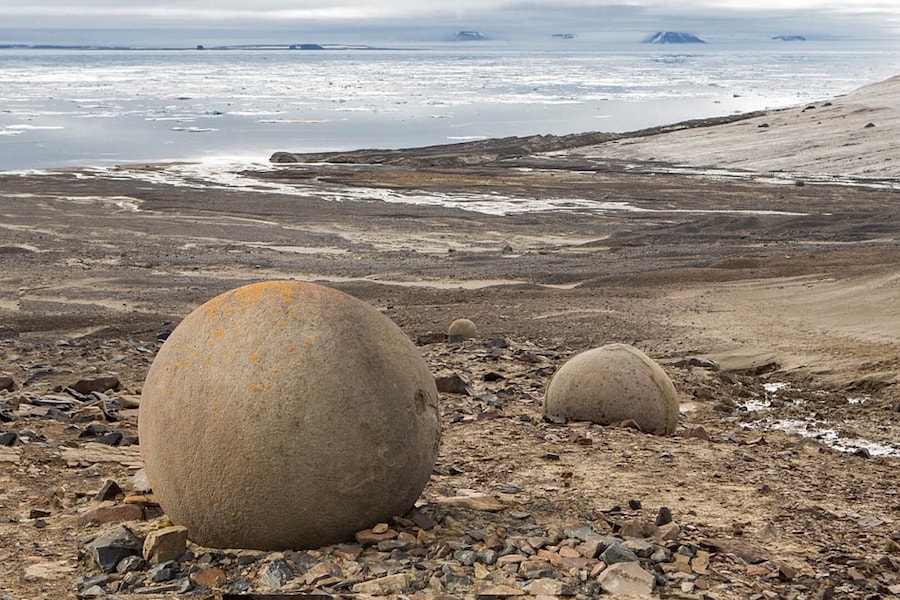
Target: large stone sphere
x,y
287,415
611,384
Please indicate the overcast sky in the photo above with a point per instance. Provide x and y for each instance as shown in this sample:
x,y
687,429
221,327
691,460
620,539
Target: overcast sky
x,y
26,21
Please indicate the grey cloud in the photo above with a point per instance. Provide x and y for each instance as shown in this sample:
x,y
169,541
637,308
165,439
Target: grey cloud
x,y
185,21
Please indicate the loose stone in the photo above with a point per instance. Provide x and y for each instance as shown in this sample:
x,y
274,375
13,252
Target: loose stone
x,y
99,384
617,553
276,574
664,517
110,491
546,587
130,564
626,578
112,514
390,584
164,571
108,548
212,577
165,544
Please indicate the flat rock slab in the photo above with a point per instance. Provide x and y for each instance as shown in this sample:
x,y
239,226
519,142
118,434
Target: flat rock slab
x,y
93,453
9,455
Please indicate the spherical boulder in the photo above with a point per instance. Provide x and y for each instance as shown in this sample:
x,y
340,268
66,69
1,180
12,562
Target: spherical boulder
x,y
614,383
287,415
462,328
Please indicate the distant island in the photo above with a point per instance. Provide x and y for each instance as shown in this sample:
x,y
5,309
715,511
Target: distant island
x,y
673,37
469,36
564,36
789,38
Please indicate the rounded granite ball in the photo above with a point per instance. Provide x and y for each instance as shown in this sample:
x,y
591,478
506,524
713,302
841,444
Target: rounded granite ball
x,y
287,415
611,384
462,328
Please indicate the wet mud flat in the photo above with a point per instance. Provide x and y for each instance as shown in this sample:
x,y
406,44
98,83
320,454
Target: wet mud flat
x,y
767,303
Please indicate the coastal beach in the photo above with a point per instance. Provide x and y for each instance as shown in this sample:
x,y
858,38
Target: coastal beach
x,y
753,257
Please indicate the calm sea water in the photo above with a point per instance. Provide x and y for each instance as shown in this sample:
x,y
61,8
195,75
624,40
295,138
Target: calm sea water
x,y
98,108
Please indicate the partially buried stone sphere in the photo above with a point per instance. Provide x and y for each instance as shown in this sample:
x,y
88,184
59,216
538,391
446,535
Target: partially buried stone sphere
x,y
614,383
462,328
287,415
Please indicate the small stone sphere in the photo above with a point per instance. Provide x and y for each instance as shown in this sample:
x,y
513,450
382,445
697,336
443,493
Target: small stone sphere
x,y
287,415
463,328
611,384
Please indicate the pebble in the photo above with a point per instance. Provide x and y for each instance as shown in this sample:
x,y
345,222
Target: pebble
x,y
276,573
212,577
130,564
95,591
110,491
370,537
663,517
7,384
165,571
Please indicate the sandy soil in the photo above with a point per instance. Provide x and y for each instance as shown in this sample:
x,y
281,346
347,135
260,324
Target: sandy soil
x,y
793,290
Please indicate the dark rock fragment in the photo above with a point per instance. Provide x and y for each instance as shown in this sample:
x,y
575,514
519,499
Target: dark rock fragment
x,y
110,547
100,384
110,491
165,571
130,564
694,361
276,574
95,430
58,415
699,432
113,438
664,517
617,553
432,337
84,582
7,383
422,520
452,384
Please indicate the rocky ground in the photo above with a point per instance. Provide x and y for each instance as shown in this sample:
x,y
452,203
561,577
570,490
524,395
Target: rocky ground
x,y
772,305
